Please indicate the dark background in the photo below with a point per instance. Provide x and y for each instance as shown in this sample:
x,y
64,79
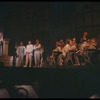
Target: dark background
x,y
48,21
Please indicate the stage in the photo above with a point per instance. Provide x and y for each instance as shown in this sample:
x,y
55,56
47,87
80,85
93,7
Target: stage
x,y
52,81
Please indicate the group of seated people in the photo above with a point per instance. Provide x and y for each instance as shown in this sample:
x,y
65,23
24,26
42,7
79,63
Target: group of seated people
x,y
78,50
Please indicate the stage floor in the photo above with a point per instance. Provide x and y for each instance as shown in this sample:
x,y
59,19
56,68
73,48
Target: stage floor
x,y
52,81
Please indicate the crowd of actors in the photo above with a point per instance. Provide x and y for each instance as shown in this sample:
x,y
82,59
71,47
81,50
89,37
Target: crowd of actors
x,y
28,52
61,46
70,44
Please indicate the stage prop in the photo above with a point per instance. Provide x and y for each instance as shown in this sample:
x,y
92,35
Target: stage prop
x,y
5,59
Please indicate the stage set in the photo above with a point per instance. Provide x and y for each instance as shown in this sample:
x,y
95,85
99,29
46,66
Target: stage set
x,y
48,81
49,50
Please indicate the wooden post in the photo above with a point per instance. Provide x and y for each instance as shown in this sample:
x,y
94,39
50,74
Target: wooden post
x,y
5,46
7,60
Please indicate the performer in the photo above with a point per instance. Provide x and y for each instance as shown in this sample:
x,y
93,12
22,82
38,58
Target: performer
x,y
81,42
58,46
29,54
84,36
82,52
74,47
65,49
92,43
21,54
37,47
73,44
41,56
1,43
62,44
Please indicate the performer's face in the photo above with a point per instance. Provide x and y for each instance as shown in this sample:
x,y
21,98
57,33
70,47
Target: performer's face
x,y
74,39
37,41
21,43
61,40
85,33
57,43
29,42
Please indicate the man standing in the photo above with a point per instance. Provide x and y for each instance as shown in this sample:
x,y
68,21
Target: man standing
x,y
29,54
21,54
85,36
37,47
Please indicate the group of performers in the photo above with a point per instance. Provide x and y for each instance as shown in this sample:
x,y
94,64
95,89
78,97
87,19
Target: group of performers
x,y
60,55
28,52
65,51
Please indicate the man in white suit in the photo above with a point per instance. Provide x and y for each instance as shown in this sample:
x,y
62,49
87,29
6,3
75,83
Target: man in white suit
x,y
29,54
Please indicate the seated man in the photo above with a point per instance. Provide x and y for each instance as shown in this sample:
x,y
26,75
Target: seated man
x,y
74,48
92,44
64,52
82,52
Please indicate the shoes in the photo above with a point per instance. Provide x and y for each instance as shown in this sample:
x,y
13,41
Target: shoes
x,y
34,66
25,66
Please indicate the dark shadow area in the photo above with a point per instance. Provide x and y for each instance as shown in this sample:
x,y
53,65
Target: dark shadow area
x,y
53,82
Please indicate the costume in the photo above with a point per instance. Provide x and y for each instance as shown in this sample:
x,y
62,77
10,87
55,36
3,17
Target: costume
x,y
21,53
29,54
37,54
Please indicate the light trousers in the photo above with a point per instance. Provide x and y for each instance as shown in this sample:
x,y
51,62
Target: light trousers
x,y
20,59
28,58
37,58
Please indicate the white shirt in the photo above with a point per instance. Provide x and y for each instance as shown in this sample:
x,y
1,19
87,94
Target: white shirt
x,y
73,47
66,49
84,45
29,48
